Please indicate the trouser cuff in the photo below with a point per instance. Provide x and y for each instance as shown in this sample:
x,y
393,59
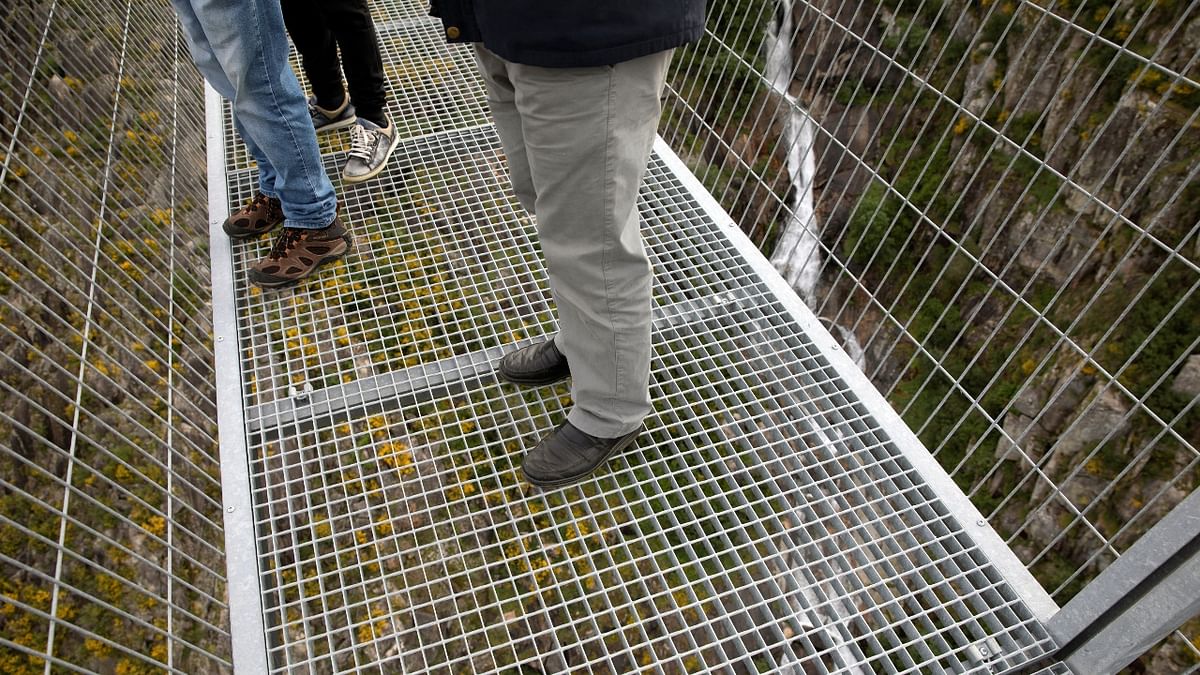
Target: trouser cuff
x,y
596,426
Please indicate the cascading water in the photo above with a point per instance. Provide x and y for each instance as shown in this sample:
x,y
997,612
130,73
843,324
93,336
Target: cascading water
x,y
798,252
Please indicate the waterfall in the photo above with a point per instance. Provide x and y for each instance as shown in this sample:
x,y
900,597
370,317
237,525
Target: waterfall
x,y
849,342
798,252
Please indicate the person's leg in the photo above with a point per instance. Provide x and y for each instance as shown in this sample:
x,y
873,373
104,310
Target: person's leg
x,y
588,134
374,137
314,40
266,172
257,216
250,46
539,364
349,21
329,107
501,100
247,44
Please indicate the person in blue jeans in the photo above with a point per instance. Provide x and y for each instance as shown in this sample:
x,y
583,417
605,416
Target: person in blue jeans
x,y
241,49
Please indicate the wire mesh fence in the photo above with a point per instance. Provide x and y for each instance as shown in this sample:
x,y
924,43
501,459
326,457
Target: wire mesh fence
x,y
995,206
110,518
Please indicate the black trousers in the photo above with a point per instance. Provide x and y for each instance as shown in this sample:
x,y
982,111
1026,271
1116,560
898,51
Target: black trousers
x,y
318,28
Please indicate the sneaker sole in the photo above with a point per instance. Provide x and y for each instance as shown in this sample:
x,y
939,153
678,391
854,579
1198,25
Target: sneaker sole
x,y
334,126
377,170
324,261
622,445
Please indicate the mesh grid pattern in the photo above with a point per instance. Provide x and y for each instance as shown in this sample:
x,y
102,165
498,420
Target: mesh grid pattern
x,y
1000,212
994,205
431,87
110,517
764,521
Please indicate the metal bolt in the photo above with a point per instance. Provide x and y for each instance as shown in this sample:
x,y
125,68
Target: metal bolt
x,y
229,509
220,338
984,651
981,522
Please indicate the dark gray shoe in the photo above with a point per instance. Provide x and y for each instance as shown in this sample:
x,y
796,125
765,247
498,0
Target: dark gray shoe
x,y
328,120
567,455
535,365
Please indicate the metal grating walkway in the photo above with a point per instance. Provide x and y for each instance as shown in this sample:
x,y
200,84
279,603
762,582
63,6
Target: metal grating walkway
x,y
776,516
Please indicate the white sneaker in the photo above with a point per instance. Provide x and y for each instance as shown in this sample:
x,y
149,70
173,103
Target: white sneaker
x,y
370,148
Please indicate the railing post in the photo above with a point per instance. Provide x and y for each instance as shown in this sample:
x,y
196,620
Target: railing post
x,y
1152,589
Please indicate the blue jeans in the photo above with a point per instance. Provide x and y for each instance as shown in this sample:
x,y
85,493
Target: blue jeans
x,y
242,50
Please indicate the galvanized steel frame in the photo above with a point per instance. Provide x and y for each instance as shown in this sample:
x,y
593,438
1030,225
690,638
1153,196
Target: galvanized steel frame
x,y
246,629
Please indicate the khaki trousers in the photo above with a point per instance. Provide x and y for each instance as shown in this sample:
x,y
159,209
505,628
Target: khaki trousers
x,y
577,141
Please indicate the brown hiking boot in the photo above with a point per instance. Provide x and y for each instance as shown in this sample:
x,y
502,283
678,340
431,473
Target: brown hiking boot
x,y
259,216
298,253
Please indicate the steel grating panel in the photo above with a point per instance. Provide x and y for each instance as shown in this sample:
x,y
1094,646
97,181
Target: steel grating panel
x,y
767,520
432,87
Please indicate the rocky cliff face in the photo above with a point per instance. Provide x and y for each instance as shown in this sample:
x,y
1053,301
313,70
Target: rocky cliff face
x,y
1009,194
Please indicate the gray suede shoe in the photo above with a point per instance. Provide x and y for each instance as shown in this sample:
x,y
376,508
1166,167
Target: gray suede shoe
x,y
370,148
535,365
568,455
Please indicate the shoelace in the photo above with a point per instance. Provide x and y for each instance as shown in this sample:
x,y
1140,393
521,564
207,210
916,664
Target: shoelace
x,y
286,241
362,142
257,201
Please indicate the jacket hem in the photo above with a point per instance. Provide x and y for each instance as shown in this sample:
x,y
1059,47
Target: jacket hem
x,y
597,57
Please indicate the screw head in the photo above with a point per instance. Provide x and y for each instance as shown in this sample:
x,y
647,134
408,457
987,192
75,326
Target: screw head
x,y
981,522
229,509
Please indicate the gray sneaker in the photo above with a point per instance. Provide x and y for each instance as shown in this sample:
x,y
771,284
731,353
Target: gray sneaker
x,y
370,148
328,120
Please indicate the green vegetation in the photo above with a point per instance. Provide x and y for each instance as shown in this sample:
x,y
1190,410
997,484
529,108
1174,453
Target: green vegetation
x,y
418,521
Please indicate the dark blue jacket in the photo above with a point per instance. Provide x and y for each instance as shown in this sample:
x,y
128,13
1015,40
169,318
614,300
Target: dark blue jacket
x,y
571,33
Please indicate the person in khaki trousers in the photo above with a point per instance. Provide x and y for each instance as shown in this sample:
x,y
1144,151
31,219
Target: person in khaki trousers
x,y
575,88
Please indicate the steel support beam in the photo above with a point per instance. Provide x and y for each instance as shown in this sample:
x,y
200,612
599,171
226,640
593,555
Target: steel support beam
x,y
1151,590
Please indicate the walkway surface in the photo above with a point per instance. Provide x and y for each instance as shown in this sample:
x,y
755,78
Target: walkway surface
x,y
776,516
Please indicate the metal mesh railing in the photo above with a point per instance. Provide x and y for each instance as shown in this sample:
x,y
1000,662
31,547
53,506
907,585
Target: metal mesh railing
x,y
110,520
994,205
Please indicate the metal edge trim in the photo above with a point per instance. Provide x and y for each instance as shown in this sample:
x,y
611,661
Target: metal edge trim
x,y
974,524
246,624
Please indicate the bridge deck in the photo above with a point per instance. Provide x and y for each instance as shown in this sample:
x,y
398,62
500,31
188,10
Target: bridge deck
x,y
776,516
